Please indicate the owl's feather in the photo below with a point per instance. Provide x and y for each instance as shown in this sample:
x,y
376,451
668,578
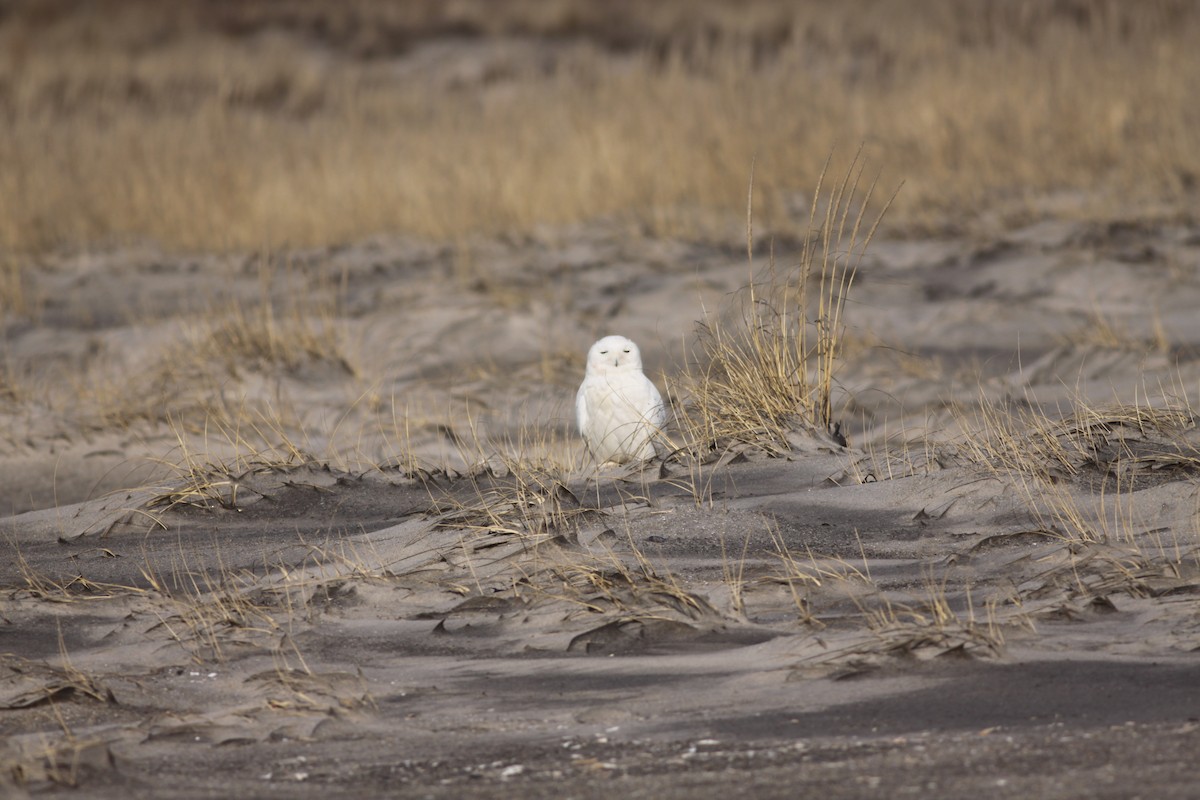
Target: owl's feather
x,y
619,410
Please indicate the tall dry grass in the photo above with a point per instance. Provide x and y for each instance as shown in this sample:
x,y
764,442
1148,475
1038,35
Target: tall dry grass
x,y
226,125
769,372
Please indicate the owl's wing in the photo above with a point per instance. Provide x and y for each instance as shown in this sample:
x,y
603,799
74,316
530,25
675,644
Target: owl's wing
x,y
657,414
581,407
642,398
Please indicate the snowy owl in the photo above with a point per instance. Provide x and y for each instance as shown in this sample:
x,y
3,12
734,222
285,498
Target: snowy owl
x,y
618,409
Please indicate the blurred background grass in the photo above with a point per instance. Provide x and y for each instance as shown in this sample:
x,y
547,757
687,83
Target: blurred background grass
x,y
220,124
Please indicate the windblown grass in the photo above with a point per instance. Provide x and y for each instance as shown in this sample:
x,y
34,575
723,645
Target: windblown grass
x,y
211,613
258,337
303,123
1113,487
770,371
1078,475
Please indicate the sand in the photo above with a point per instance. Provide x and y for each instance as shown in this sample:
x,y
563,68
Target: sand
x,y
417,608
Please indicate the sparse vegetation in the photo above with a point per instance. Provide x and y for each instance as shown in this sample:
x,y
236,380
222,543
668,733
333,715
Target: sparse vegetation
x,y
1103,453
364,451
1086,482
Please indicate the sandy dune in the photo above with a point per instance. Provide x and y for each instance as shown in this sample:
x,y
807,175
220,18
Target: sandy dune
x,y
423,608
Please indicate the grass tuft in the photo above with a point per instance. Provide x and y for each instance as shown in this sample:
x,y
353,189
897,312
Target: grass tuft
x,y
1094,456
771,371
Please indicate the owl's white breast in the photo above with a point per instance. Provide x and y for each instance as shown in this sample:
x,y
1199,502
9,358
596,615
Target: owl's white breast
x,y
619,414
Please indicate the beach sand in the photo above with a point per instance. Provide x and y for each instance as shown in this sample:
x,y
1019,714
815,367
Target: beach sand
x,y
315,521
885,617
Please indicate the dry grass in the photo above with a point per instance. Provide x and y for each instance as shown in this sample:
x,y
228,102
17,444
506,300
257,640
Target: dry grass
x,y
770,372
529,504
200,369
1078,475
261,337
800,575
864,622
934,628
1087,480
45,682
221,474
1086,574
1104,333
297,123
51,762
519,486
15,297
284,329
43,588
623,587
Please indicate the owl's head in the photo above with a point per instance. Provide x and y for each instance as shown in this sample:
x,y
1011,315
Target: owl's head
x,y
613,354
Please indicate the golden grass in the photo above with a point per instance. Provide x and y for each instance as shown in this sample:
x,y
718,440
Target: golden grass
x,y
1102,332
284,329
261,337
15,297
1080,480
770,371
209,615
626,586
198,373
297,123
526,503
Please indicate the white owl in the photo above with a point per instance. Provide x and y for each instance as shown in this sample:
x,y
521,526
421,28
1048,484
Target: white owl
x,y
619,410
